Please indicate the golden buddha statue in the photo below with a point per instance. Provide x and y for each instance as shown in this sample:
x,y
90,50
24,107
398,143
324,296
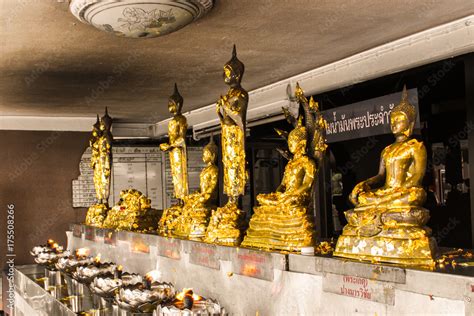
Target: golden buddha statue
x,y
133,212
198,205
176,147
105,158
101,162
388,222
224,226
282,222
94,145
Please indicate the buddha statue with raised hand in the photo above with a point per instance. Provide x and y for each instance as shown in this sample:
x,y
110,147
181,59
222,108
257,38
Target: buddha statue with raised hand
x,y
101,163
176,147
388,221
225,223
198,205
281,221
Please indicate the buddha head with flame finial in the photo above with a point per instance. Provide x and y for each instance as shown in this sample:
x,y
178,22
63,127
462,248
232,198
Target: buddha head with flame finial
x,y
209,153
106,121
297,138
403,116
175,102
233,70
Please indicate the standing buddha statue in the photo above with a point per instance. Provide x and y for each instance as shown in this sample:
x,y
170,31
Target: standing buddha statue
x,y
281,221
101,162
94,145
224,226
388,221
105,157
198,205
176,147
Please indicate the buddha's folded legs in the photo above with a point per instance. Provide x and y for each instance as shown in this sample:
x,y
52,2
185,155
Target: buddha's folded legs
x,y
193,222
282,201
224,226
397,196
282,228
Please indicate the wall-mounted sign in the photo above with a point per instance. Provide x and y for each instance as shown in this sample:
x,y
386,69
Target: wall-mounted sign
x,y
146,169
139,244
366,118
204,255
110,237
251,263
169,248
361,288
140,168
77,230
89,233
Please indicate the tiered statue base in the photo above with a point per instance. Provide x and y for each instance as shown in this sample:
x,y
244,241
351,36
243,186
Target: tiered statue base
x,y
224,226
395,234
169,220
193,223
143,220
280,228
96,214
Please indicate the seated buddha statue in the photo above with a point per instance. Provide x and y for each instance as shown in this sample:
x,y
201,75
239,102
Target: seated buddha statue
x,y
197,207
281,221
388,221
133,212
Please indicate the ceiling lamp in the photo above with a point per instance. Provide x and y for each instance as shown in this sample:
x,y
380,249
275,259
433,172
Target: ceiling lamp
x,y
139,19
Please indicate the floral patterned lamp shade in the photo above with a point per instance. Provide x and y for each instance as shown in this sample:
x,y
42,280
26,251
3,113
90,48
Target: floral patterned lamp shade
x,y
139,19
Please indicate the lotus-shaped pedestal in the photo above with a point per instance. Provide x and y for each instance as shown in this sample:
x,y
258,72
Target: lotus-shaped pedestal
x,y
69,264
85,274
140,298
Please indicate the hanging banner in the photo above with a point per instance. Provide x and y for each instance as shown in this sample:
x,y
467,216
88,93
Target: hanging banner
x,y
366,118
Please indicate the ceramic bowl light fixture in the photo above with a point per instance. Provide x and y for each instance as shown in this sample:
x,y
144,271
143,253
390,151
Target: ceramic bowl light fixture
x,y
138,18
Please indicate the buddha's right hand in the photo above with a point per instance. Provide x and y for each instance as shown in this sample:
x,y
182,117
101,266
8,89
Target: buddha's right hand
x,y
358,189
165,146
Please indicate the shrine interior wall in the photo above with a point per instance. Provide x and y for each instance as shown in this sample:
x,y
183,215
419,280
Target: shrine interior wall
x,y
37,170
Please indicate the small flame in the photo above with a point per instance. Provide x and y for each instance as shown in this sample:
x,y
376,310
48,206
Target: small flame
x,y
197,297
250,269
50,242
82,252
180,296
97,258
188,292
120,268
153,276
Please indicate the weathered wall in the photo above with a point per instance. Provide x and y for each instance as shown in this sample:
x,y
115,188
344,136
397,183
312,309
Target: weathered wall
x,y
36,169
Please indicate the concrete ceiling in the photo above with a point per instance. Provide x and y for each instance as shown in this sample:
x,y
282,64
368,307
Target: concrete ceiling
x,y
52,65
